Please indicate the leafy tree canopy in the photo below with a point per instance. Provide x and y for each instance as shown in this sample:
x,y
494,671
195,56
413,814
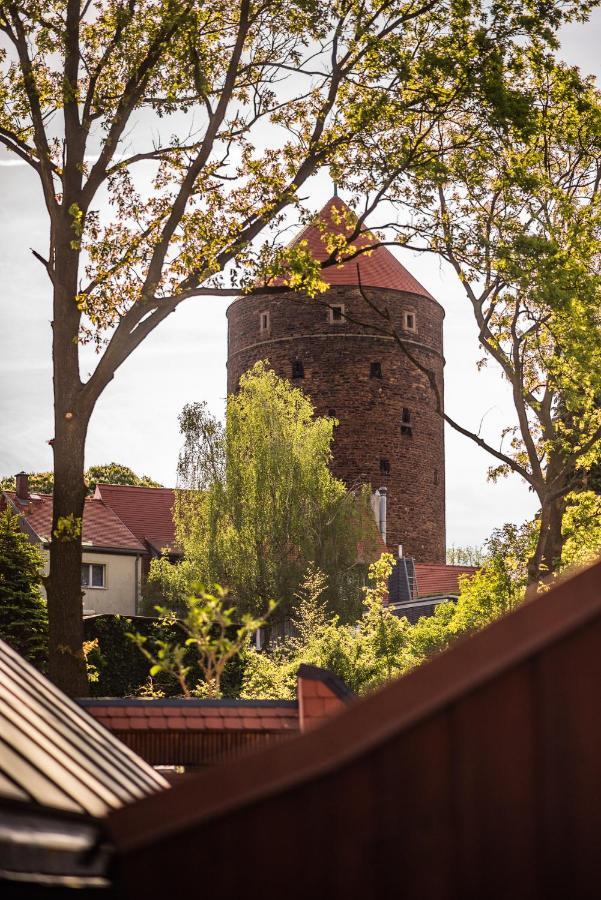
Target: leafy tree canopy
x,y
109,473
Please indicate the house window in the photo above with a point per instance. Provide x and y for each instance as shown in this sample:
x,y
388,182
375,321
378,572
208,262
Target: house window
x,y
93,575
409,321
375,370
336,314
384,467
298,370
406,428
264,322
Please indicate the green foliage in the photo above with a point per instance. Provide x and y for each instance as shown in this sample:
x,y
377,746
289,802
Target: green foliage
x,y
380,645
582,529
109,473
23,615
115,473
39,483
261,504
214,631
364,655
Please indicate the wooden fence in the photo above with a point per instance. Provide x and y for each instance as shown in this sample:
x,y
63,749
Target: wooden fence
x,y
476,776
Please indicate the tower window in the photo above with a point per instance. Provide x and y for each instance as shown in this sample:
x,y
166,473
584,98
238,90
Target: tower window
x,y
435,476
264,322
336,314
409,321
375,370
384,466
332,412
406,428
298,370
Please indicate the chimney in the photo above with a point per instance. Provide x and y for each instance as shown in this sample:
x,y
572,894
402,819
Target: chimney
x,y
22,480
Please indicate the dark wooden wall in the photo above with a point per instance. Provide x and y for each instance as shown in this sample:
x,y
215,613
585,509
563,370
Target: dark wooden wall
x,y
476,776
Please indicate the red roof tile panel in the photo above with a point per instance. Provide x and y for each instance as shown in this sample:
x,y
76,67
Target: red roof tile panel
x,y
147,512
194,716
438,579
102,527
378,268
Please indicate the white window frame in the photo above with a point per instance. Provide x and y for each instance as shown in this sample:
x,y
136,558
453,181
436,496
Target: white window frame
x,y
406,325
263,329
331,318
95,587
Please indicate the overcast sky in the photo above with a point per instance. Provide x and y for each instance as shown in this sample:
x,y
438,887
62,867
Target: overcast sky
x,y
135,422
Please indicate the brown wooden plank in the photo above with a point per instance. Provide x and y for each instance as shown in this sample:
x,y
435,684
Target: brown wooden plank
x,y
569,771
492,776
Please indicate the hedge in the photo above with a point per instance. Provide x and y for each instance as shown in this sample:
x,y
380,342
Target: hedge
x,y
123,669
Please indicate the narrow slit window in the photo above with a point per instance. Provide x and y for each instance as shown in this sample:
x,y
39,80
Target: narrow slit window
x,y
375,370
298,370
409,321
406,427
336,314
384,466
264,322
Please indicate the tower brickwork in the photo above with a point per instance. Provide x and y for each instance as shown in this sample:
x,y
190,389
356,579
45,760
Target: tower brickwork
x,y
389,432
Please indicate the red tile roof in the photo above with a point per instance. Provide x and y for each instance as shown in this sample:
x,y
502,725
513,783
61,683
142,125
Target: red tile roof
x,y
194,715
146,511
102,527
437,579
378,268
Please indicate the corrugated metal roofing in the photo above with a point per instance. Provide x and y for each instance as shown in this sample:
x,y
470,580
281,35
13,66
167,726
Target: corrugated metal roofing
x,y
54,754
378,268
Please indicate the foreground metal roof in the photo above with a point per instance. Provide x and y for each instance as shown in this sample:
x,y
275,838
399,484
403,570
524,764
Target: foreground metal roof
x,y
55,755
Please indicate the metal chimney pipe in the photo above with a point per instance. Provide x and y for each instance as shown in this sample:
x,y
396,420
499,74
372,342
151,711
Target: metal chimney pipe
x,y
22,481
382,523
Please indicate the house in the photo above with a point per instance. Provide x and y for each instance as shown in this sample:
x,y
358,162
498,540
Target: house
x,y
112,567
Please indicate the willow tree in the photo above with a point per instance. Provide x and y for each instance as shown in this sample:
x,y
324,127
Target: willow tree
x,y
92,93
258,505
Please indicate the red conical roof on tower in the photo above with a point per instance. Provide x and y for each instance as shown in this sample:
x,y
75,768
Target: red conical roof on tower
x,y
379,268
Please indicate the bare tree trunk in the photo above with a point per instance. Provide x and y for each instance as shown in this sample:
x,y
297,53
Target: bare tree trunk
x,y
63,586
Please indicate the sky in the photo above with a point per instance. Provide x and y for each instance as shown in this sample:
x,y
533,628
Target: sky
x,y
135,421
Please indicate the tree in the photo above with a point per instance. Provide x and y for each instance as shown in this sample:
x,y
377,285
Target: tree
x,y
258,502
109,473
364,654
84,84
115,473
464,556
23,616
518,217
217,632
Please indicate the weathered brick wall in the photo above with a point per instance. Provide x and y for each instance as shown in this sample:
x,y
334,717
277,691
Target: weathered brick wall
x,y
336,358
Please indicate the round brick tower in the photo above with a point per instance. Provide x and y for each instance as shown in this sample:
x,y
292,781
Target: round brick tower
x,y
389,433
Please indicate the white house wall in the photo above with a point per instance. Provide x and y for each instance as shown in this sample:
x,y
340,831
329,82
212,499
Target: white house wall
x,y
119,593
